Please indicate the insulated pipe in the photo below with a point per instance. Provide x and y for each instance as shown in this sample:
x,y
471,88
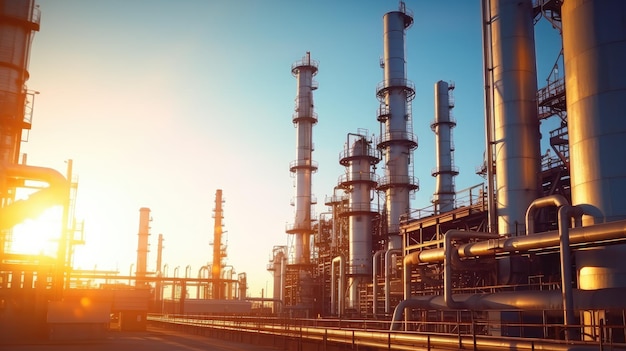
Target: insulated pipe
x,y
340,293
375,281
599,232
529,300
56,193
552,200
388,255
447,271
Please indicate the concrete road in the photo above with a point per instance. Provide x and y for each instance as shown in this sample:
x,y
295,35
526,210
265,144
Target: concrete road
x,y
151,340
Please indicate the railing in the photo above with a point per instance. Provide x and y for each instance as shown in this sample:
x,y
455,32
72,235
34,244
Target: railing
x,y
464,331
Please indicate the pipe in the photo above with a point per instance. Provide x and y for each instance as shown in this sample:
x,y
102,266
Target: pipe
x,y
375,281
582,235
564,215
55,194
388,255
552,200
529,300
342,273
447,271
492,210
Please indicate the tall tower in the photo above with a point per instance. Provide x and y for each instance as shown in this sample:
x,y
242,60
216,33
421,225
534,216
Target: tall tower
x,y
515,140
303,167
142,246
219,253
358,157
19,19
445,172
397,140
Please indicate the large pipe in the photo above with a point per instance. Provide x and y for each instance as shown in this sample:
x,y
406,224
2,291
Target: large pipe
x,y
334,306
529,300
376,259
565,213
551,200
388,268
56,193
447,270
580,235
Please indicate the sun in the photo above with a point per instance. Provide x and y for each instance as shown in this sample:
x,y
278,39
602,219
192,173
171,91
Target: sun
x,y
38,236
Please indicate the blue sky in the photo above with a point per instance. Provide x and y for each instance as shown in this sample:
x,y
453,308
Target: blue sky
x,y
160,103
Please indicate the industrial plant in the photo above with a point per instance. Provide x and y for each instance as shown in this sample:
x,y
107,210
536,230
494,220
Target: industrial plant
x,y
528,259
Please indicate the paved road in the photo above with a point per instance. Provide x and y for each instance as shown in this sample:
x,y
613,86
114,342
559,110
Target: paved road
x,y
151,340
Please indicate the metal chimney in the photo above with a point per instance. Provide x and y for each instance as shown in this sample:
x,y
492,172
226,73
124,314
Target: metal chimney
x,y
303,167
445,172
142,246
397,140
218,252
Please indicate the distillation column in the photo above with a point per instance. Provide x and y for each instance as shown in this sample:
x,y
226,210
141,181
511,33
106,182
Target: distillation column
x,y
442,127
18,22
358,157
596,100
142,246
397,140
516,134
218,251
303,167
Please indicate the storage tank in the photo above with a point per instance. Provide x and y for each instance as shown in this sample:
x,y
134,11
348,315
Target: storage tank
x,y
594,52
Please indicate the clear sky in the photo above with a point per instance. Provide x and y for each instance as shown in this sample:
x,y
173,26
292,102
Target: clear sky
x,y
160,103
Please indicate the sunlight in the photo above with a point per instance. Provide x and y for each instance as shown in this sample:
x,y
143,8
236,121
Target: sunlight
x,y
40,235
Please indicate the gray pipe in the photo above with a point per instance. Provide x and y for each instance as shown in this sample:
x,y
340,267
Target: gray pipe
x,y
447,271
552,200
388,255
340,293
529,300
375,282
599,232
565,213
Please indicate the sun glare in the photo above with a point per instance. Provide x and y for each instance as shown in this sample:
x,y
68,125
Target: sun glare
x,y
40,235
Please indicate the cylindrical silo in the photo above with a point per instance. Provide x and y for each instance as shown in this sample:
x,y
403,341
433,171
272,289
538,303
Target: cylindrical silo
x,y
515,124
445,171
359,180
303,167
594,52
397,140
142,246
